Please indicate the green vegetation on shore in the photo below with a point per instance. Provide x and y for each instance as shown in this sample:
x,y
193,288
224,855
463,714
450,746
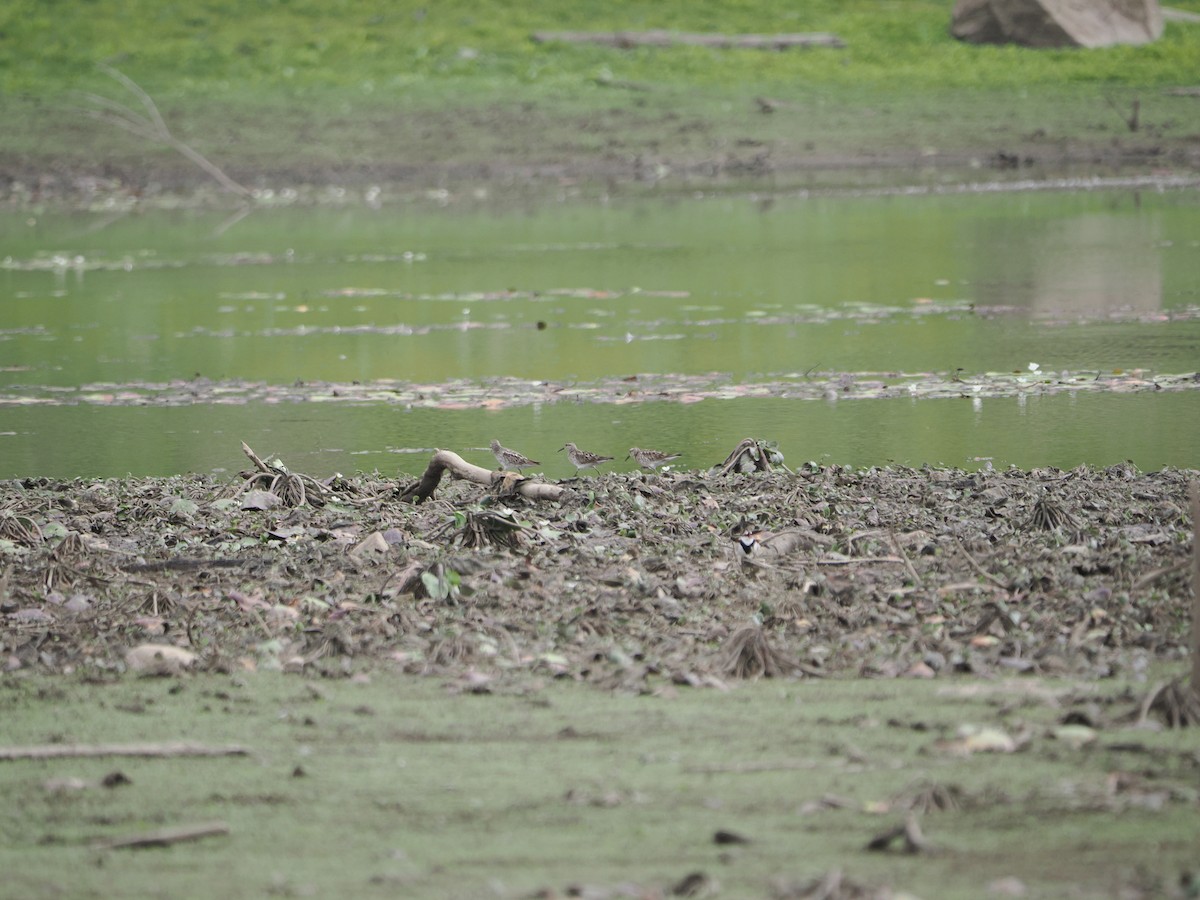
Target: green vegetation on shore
x,y
311,91
268,46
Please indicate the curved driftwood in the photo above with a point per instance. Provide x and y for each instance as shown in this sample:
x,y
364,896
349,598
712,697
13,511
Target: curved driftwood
x,y
508,482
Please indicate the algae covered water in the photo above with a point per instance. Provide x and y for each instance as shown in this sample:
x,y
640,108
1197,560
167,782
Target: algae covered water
x,y
105,314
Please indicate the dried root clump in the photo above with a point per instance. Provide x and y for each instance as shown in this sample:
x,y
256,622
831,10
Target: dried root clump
x,y
491,529
21,530
748,654
752,455
1049,515
292,489
1175,703
928,796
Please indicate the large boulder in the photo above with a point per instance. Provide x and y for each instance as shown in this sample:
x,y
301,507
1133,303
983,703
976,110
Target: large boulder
x,y
1057,23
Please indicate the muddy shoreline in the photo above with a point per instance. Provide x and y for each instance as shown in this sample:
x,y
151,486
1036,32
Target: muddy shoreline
x,y
1013,163
631,581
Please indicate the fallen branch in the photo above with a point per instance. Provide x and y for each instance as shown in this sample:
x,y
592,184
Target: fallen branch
x,y
658,38
507,482
978,568
152,126
170,749
164,837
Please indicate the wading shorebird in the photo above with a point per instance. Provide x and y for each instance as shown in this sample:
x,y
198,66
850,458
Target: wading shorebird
x,y
582,459
511,459
651,459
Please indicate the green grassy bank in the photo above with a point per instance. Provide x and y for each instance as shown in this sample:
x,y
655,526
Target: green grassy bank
x,y
320,92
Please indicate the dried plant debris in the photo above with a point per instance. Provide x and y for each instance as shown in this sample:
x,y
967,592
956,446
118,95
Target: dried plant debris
x,y
748,654
490,529
502,392
632,584
1049,514
1174,703
752,455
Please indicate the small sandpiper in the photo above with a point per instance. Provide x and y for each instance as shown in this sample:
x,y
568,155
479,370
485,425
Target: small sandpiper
x,y
582,459
651,459
511,459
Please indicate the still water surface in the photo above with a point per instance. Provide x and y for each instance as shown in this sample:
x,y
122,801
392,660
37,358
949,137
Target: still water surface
x,y
746,289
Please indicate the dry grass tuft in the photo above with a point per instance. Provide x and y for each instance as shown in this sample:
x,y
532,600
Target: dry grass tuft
x,y
748,654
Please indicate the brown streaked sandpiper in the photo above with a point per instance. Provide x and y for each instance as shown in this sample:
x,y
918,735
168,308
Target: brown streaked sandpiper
x,y
511,459
583,459
651,459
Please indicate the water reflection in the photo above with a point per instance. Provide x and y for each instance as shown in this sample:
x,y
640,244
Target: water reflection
x,y
1087,266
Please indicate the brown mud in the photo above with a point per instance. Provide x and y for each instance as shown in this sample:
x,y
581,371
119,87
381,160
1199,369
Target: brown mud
x,y
630,581
523,150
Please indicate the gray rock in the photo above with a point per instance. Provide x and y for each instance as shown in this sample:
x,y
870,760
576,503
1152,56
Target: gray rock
x,y
1057,23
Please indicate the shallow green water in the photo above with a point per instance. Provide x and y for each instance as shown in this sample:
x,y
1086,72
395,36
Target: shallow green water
x,y
745,288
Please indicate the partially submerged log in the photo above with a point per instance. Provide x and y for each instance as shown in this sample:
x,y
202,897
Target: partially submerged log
x,y
658,38
509,482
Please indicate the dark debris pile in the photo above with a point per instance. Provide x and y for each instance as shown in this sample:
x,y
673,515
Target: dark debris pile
x,y
631,582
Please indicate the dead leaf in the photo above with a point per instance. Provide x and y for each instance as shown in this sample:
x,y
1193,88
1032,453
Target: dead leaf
x,y
373,542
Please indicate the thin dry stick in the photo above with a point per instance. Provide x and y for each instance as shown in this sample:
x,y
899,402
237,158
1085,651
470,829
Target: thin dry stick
x,y
1143,713
152,126
163,837
254,458
978,568
907,562
858,560
1151,577
170,749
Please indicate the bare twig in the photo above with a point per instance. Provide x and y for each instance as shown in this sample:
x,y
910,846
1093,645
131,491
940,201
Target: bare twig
x,y
254,458
152,126
1151,577
907,562
164,837
858,560
170,749
978,568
